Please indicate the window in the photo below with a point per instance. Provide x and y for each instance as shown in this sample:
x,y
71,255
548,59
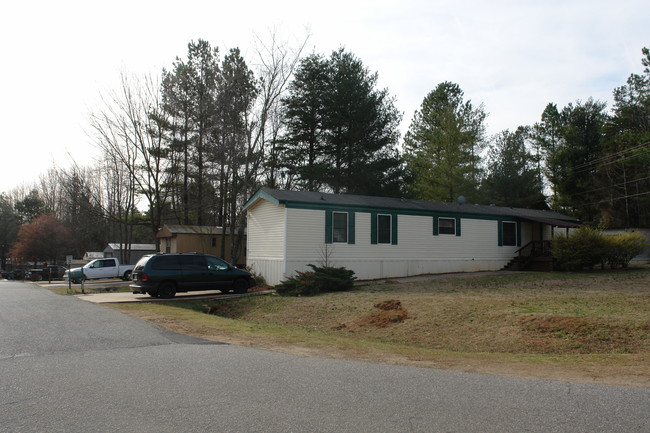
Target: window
x,y
383,229
214,264
447,226
213,242
340,227
509,233
166,263
193,262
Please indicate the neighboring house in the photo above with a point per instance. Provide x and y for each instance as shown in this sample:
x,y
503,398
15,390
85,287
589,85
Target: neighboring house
x,y
136,252
380,237
176,238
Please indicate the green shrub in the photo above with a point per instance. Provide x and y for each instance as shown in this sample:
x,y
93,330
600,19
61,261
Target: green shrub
x,y
584,248
260,281
587,247
302,283
320,279
624,247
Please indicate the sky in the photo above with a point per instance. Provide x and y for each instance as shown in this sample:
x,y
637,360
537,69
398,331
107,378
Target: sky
x,y
60,57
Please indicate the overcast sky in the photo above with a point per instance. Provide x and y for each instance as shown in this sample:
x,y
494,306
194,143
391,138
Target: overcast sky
x,y
512,56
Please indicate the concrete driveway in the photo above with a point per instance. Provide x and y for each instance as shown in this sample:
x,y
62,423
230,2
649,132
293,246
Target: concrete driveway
x,y
120,297
108,292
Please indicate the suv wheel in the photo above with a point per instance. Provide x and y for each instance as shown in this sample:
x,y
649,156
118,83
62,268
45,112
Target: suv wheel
x,y
240,286
167,290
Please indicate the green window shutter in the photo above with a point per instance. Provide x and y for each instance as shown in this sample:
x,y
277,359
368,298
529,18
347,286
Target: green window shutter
x,y
328,226
457,226
518,233
500,232
394,229
435,225
373,228
351,227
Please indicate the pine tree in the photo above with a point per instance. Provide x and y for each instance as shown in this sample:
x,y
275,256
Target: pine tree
x,y
341,130
442,146
512,177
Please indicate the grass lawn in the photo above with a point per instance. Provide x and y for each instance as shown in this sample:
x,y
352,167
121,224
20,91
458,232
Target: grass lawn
x,y
590,327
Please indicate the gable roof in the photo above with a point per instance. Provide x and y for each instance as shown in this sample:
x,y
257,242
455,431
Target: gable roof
x,y
194,229
318,199
171,230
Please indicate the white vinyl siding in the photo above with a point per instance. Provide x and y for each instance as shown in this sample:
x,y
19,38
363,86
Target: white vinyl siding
x,y
265,240
415,254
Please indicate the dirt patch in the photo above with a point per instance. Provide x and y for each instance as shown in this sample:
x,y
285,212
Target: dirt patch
x,y
389,313
570,334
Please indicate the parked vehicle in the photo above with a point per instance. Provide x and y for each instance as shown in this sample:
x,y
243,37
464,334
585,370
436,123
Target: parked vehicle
x,y
34,275
51,272
54,272
163,275
17,274
99,269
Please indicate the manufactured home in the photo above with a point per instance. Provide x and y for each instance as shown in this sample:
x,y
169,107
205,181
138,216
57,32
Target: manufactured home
x,y
381,237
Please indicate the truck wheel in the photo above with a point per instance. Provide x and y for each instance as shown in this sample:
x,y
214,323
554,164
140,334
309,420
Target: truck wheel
x,y
127,276
240,286
167,290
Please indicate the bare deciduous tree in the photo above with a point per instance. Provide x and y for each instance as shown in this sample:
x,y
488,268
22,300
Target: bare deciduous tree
x,y
129,130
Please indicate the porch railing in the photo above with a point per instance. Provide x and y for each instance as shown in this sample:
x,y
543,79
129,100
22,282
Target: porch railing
x,y
532,250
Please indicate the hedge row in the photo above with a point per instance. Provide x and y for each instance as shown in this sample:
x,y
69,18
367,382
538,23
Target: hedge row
x,y
588,247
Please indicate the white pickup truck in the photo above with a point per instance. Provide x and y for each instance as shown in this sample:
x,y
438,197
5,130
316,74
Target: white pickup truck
x,y
98,269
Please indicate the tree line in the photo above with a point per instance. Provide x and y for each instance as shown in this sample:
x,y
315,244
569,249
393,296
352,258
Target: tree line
x,y
193,146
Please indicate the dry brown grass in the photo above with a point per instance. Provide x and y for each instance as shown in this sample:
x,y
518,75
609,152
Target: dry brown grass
x,y
524,323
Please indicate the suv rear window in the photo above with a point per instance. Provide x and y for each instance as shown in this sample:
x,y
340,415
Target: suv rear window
x,y
140,265
166,263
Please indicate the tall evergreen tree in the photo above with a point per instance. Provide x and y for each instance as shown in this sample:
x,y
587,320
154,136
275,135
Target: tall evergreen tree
x,y
236,92
626,163
512,177
443,144
189,93
8,228
579,184
341,130
548,136
303,147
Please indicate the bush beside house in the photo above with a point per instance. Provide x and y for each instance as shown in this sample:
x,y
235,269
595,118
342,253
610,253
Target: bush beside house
x,y
318,280
588,247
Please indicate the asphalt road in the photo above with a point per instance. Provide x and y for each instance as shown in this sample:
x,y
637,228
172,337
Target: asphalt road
x,y
73,366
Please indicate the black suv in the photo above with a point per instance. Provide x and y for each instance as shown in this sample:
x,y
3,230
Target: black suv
x,y
162,275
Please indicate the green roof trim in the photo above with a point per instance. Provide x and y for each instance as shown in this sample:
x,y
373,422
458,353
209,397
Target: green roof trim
x,y
402,206
261,194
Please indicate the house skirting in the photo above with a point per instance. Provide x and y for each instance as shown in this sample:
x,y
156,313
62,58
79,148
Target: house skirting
x,y
275,270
